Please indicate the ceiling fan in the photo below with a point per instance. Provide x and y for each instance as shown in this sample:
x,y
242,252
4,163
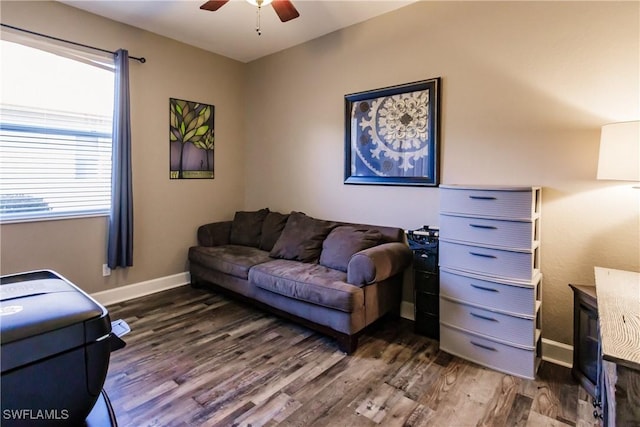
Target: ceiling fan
x,y
284,8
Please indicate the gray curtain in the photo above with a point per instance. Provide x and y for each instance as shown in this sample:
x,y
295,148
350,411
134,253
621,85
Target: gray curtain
x,y
120,244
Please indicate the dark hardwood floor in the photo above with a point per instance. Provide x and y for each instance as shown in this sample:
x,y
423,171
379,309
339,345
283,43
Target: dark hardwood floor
x,y
195,358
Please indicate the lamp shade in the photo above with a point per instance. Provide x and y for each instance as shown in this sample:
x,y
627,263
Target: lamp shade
x,y
619,157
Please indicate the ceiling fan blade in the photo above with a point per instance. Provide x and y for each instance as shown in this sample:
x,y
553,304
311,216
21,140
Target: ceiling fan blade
x,y
213,5
285,10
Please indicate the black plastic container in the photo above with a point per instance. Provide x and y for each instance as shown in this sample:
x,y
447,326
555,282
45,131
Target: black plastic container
x,y
55,349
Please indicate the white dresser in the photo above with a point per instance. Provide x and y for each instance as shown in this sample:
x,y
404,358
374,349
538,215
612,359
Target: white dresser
x,y
490,280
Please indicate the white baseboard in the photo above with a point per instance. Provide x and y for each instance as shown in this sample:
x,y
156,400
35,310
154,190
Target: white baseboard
x,y
406,310
552,351
136,290
557,353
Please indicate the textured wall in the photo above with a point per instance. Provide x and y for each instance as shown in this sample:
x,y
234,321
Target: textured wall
x,y
526,85
167,212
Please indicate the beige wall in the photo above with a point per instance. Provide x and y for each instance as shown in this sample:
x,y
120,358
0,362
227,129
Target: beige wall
x,y
167,212
526,85
526,88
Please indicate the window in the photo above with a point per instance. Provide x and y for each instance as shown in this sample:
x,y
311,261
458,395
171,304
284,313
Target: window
x,y
56,109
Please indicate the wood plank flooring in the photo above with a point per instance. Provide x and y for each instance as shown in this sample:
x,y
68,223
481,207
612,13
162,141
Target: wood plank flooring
x,y
196,358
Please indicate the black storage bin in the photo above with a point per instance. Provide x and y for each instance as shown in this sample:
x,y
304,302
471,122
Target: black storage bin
x,y
426,280
55,349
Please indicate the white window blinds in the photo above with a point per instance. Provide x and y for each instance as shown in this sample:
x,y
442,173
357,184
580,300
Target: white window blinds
x,y
55,133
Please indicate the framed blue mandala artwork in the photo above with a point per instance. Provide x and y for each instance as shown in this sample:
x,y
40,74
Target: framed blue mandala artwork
x,y
392,135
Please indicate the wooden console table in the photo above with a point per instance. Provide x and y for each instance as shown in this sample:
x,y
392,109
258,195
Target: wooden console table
x,y
618,295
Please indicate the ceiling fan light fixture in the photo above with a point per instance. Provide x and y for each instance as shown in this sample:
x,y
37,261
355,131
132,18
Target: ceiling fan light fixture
x,y
259,3
285,10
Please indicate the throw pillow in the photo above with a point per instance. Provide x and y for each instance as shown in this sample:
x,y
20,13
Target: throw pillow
x,y
345,241
271,229
301,238
246,228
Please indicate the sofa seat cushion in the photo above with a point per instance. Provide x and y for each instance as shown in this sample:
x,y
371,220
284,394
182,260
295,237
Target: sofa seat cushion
x,y
312,283
230,259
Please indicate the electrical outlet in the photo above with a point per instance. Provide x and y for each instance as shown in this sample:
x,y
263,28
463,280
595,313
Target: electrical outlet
x,y
106,271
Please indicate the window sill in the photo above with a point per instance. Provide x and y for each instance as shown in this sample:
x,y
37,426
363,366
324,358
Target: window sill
x,y
4,221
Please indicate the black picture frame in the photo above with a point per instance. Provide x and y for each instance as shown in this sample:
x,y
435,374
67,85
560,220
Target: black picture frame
x,y
392,135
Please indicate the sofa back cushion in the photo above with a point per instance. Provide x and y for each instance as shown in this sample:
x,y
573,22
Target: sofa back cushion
x,y
246,228
271,229
389,234
343,242
301,238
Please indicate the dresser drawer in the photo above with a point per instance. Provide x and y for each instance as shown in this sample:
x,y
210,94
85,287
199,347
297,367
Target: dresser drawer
x,y
426,282
427,324
513,265
485,351
428,303
505,297
426,260
508,234
512,203
516,330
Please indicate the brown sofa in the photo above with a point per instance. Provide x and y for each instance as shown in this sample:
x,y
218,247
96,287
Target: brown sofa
x,y
334,277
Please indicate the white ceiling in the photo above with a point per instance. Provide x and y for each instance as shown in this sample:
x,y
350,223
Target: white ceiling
x,y
230,31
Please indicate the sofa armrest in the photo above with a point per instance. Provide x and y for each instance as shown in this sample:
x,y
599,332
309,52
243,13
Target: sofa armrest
x,y
378,263
214,234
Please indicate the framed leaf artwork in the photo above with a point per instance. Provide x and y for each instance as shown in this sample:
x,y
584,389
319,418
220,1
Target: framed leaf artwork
x,y
191,139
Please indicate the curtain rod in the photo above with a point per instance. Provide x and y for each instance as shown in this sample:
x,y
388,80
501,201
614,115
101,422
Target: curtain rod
x,y
141,60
